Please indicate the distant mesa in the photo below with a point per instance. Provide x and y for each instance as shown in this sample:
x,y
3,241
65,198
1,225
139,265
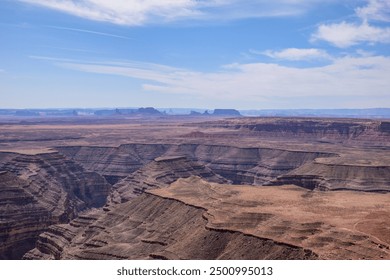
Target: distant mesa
x,y
370,113
148,111
218,112
195,113
140,111
226,112
26,113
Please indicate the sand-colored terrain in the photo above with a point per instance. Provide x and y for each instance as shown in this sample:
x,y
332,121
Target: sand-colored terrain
x,y
334,225
176,187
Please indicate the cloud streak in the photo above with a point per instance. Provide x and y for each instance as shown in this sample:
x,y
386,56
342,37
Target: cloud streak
x,y
89,32
346,77
295,54
139,12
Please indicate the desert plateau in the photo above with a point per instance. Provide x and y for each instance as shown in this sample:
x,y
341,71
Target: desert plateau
x,y
194,187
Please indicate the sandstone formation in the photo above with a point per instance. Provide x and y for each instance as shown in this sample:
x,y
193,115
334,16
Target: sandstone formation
x,y
114,163
195,219
149,227
334,130
240,165
333,176
40,190
194,188
159,173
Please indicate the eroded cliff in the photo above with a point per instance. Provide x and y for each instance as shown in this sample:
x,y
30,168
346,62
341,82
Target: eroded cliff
x,y
195,219
40,190
92,197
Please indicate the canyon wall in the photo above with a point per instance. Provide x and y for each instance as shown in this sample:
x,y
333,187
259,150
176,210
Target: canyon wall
x,y
40,190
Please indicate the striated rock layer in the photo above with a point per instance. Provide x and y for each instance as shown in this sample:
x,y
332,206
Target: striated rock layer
x,y
160,173
331,175
150,227
239,165
195,219
40,190
114,163
333,130
87,197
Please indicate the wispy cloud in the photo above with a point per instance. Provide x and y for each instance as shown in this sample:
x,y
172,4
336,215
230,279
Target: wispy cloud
x,y
346,77
140,12
347,34
295,54
375,10
89,32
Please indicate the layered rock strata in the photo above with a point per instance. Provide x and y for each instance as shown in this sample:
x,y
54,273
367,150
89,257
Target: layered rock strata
x,y
159,173
40,190
334,130
328,176
239,165
195,219
149,227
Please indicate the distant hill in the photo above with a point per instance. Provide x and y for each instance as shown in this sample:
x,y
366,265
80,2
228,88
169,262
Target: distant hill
x,y
332,113
226,112
371,113
140,111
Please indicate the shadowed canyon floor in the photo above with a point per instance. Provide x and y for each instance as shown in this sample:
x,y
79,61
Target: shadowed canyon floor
x,y
194,188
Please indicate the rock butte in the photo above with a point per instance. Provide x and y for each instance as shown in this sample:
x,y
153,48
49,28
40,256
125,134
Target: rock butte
x,y
194,188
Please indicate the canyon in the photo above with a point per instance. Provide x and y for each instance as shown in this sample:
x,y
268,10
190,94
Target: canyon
x,y
194,187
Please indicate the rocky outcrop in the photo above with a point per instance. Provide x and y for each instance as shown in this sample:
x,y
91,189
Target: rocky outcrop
x,y
247,165
239,165
333,130
196,219
335,176
384,127
332,225
159,173
114,163
254,166
150,227
22,218
40,190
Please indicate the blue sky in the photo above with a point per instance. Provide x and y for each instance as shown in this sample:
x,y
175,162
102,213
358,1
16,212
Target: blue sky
x,y
280,54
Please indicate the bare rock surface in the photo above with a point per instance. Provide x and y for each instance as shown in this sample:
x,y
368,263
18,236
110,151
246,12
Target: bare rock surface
x,y
113,188
333,176
334,130
114,163
196,219
160,173
333,225
150,227
40,190
240,165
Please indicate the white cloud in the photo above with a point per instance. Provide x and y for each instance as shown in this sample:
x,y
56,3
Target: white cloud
x,y
349,77
375,10
131,12
140,12
345,34
296,54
